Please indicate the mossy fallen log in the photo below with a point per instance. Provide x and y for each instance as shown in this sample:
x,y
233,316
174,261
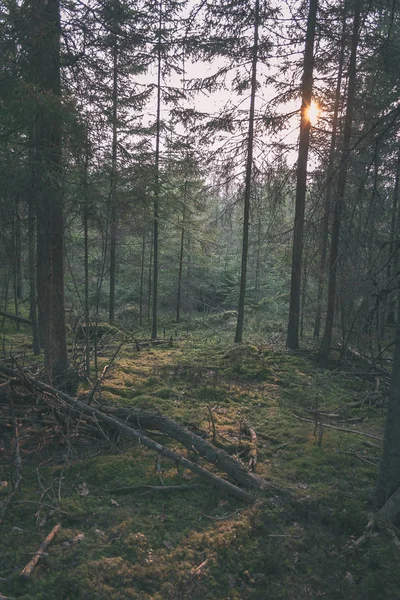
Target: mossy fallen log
x,y
221,459
131,433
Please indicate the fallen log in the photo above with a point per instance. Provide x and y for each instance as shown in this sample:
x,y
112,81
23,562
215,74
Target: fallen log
x,y
133,434
391,508
15,318
221,459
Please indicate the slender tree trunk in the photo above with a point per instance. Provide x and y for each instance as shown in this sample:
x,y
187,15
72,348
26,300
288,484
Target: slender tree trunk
x,y
16,254
389,474
142,276
258,260
149,284
342,176
157,186
329,184
32,278
247,188
48,154
394,246
113,190
292,340
182,248
86,256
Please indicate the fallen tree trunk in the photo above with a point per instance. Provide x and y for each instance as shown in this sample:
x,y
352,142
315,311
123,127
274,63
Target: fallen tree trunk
x,y
133,434
15,318
221,459
391,508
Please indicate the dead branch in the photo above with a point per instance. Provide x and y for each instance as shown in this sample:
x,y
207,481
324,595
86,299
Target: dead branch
x,y
214,433
132,433
15,318
100,379
221,459
153,488
27,571
248,430
355,431
17,475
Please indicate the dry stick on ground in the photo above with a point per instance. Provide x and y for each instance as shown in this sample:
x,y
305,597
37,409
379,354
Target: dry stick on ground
x,y
26,571
214,433
218,457
153,488
100,379
17,476
133,434
355,431
248,430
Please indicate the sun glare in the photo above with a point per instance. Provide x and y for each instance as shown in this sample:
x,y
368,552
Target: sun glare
x,y
313,113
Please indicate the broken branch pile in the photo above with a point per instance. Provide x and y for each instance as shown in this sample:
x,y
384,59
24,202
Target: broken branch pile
x,y
117,419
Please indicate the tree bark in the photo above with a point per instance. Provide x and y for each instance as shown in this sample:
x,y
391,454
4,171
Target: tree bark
x,y
142,276
394,246
292,340
48,193
247,188
329,182
32,267
113,189
157,185
342,177
182,248
86,255
389,474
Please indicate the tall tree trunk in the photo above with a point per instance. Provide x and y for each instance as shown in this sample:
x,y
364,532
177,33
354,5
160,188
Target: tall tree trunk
x,y
32,276
342,176
142,276
292,340
329,184
182,248
149,290
389,474
86,256
156,186
247,188
48,163
113,189
394,247
16,252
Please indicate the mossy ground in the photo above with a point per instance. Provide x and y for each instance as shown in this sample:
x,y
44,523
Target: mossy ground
x,y
146,545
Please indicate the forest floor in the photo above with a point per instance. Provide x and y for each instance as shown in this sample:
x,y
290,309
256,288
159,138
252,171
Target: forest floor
x,y
199,544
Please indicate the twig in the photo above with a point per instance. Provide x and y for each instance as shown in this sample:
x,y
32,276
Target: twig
x,y
100,379
198,570
17,477
235,512
27,571
248,430
214,435
370,435
153,488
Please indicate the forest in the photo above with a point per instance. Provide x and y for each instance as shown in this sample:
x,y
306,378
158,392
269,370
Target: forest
x,y
199,299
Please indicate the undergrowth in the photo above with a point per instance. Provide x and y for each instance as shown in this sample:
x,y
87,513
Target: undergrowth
x,y
198,544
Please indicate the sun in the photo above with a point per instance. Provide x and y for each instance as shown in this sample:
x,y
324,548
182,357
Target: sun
x,y
313,113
